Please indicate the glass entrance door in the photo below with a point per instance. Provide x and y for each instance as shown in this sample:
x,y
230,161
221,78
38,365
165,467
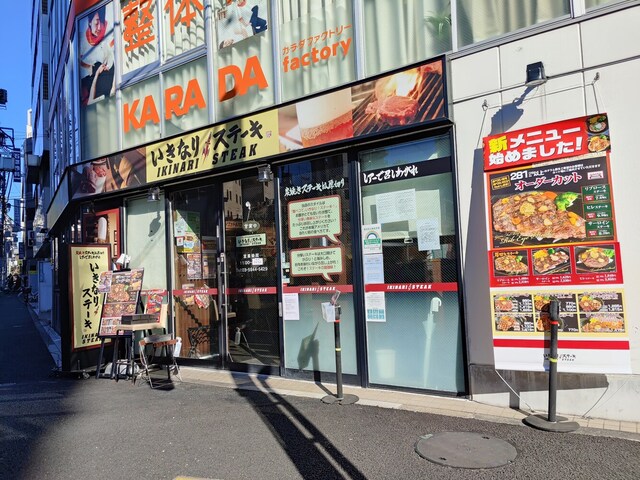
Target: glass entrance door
x,y
249,297
195,234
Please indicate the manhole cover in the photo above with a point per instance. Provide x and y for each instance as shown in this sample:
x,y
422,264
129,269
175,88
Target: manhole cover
x,y
466,450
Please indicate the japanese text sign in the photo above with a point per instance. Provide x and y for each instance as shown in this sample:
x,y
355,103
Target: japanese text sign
x,y
317,217
247,139
87,263
568,138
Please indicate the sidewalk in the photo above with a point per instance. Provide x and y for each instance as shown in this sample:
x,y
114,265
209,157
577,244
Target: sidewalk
x,y
453,407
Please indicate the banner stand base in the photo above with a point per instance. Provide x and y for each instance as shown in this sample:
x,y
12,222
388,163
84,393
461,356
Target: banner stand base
x,y
561,425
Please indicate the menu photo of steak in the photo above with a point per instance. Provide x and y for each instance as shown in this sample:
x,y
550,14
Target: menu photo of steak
x,y
601,258
551,261
511,262
539,215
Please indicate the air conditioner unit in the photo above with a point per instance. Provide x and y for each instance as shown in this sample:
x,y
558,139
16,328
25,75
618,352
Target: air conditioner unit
x,y
33,160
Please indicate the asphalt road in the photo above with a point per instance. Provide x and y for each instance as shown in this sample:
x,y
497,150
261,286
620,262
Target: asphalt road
x,y
55,427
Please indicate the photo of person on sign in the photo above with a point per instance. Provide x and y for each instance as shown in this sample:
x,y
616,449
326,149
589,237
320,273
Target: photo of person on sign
x,y
96,56
240,19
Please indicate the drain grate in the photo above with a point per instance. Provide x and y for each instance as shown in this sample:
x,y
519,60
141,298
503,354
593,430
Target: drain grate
x,y
466,450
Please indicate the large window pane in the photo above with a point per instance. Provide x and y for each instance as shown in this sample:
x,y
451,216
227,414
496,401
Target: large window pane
x,y
414,336
244,58
316,261
188,86
184,27
597,3
400,33
142,111
96,59
139,34
483,19
317,47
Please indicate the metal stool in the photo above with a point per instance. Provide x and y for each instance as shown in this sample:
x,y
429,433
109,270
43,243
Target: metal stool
x,y
165,342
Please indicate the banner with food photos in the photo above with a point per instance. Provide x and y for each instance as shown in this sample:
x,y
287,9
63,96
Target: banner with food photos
x,y
552,235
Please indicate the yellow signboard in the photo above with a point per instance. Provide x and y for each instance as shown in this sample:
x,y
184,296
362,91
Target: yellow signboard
x,y
247,139
87,261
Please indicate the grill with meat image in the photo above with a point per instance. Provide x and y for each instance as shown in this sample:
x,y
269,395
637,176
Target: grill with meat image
x,y
406,98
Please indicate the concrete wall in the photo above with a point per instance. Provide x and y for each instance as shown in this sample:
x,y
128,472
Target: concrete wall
x,y
610,47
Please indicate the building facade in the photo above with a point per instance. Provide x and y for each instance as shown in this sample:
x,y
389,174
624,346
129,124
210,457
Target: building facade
x,y
256,157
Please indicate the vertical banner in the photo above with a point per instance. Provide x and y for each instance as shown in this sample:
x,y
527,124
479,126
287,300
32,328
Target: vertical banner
x,y
552,235
86,264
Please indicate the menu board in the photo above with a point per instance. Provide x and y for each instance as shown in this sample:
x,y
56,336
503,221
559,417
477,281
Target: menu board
x,y
552,234
553,224
122,290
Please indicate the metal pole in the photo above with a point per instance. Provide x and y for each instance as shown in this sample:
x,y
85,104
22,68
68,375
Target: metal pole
x,y
340,397
3,209
336,329
554,317
552,423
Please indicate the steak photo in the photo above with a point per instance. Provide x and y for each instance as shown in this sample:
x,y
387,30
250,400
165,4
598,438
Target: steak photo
x,y
535,214
395,110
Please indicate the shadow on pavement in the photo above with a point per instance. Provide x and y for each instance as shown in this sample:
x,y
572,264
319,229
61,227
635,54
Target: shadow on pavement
x,y
310,451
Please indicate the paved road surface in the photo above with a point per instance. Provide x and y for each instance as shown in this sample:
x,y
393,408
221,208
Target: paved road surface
x,y
55,428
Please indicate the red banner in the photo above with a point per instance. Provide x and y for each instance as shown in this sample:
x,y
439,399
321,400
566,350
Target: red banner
x,y
552,141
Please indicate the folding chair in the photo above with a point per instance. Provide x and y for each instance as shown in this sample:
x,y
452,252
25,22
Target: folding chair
x,y
163,342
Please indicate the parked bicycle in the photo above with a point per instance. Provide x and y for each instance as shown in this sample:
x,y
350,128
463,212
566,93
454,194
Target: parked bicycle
x,y
27,296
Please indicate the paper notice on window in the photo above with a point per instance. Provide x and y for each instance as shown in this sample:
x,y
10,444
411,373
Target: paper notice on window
x,y
373,268
372,239
374,304
428,230
396,206
290,306
179,228
328,312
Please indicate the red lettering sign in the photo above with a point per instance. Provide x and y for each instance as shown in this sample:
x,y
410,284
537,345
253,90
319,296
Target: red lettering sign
x,y
242,81
178,102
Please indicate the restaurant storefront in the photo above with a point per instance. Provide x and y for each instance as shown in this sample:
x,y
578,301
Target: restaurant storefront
x,y
244,240
329,152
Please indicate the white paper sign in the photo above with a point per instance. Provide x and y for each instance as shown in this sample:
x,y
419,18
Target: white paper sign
x,y
396,206
373,269
374,304
290,306
180,228
328,312
428,230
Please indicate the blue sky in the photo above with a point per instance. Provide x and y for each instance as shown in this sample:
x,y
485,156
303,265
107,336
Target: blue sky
x,y
15,68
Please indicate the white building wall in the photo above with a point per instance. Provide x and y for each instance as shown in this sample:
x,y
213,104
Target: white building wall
x,y
610,47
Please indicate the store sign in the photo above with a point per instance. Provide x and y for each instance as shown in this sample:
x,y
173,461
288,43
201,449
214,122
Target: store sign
x,y
235,81
547,142
17,172
352,112
178,101
87,262
316,47
552,235
244,140
256,240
